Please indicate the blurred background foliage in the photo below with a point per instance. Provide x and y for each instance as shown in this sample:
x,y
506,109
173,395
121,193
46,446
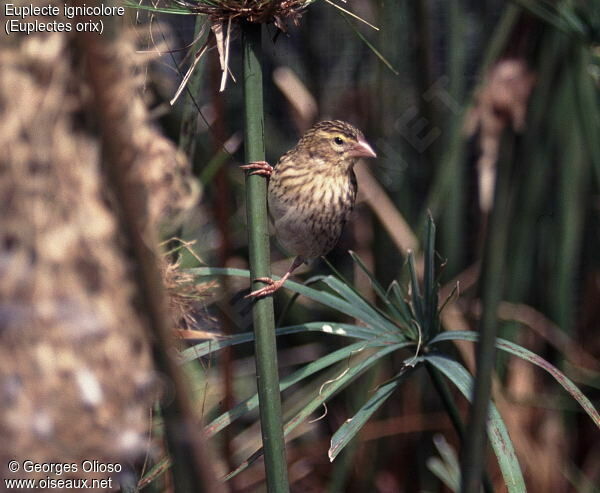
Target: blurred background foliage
x,y
454,96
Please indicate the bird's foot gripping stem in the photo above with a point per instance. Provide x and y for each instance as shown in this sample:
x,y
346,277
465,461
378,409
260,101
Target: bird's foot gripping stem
x,y
272,285
270,288
260,168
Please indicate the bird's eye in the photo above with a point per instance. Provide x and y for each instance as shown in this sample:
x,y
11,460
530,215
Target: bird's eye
x,y
338,140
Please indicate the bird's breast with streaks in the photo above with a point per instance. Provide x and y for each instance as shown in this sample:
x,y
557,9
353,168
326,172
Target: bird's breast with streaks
x,y
308,211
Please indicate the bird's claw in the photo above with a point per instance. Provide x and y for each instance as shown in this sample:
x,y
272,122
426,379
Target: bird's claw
x,y
270,288
260,168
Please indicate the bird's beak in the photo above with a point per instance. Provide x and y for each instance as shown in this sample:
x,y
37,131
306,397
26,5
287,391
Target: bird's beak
x,y
362,149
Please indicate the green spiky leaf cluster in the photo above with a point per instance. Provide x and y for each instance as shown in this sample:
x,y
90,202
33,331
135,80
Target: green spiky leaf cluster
x,y
408,321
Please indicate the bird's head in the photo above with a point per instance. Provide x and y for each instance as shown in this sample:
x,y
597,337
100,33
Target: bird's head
x,y
337,142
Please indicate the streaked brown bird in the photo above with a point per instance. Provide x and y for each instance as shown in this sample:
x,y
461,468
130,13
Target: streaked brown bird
x,y
312,192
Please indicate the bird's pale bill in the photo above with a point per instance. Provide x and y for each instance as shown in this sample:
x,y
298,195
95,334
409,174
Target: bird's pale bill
x,y
362,149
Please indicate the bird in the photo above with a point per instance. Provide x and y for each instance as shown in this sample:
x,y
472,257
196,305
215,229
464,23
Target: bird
x,y
311,192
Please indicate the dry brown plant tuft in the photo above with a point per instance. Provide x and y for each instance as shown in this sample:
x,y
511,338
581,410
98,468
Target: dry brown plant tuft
x,y
278,12
186,302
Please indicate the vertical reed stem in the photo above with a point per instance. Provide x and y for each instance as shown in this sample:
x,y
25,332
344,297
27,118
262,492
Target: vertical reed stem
x,y
492,287
264,323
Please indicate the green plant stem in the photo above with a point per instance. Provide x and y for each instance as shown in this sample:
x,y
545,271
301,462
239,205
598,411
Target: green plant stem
x,y
453,231
454,415
188,134
424,77
264,323
491,282
444,393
